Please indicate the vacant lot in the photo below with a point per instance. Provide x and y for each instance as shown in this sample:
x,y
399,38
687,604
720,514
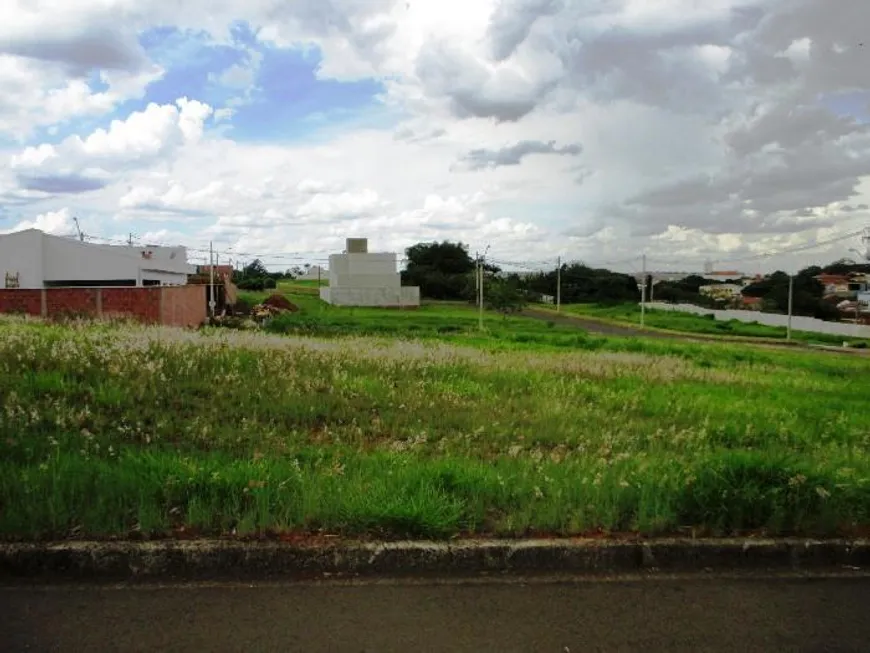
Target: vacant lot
x,y
139,431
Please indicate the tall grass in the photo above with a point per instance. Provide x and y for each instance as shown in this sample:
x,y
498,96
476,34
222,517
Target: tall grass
x,y
146,431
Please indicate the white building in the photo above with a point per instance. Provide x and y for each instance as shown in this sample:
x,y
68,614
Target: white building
x,y
33,259
360,278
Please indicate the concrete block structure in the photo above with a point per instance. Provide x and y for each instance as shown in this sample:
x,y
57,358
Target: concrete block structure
x,y
361,278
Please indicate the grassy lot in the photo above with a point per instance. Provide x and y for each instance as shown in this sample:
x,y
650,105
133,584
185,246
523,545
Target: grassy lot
x,y
455,322
706,325
134,431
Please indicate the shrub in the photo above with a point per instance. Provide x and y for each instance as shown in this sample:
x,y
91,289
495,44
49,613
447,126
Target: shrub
x,y
252,284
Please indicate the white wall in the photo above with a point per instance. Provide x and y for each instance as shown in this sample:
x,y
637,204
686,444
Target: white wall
x,y
21,253
798,323
70,260
344,269
376,297
365,280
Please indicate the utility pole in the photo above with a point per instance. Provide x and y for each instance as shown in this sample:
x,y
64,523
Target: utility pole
x,y
790,305
130,239
79,229
559,285
643,296
480,293
480,260
211,302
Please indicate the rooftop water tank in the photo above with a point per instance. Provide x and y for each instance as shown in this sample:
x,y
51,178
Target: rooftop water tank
x,y
357,246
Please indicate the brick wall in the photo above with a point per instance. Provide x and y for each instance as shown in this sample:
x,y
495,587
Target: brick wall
x,y
183,306
140,303
71,302
171,305
21,301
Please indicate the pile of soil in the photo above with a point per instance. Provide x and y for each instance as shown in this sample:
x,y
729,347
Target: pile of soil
x,y
280,302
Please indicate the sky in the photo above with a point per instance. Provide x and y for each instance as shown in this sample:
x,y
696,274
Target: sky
x,y
591,130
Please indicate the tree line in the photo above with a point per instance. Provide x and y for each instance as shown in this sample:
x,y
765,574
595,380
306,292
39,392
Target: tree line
x,y
446,271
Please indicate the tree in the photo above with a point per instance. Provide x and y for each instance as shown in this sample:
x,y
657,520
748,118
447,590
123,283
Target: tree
x,y
442,270
582,284
255,270
504,296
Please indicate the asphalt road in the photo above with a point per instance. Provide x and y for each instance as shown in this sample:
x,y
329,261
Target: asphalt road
x,y
708,614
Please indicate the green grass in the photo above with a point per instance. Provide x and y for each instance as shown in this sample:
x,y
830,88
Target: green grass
x,y
698,324
455,322
130,431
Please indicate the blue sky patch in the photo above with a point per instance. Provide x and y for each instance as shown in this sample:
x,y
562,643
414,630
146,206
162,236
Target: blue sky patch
x,y
291,101
276,95
853,103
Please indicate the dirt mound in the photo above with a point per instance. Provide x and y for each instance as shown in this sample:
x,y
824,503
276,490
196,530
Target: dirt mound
x,y
280,302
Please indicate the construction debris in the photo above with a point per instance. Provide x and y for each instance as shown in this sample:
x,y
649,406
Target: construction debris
x,y
280,302
273,305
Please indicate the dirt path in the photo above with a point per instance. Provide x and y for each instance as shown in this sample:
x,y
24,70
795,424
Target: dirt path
x,y
604,328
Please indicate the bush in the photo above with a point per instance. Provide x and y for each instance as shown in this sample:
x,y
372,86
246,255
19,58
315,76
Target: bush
x,y
241,307
252,284
269,284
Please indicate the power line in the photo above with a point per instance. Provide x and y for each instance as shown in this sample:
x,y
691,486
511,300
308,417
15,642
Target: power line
x,y
288,258
793,250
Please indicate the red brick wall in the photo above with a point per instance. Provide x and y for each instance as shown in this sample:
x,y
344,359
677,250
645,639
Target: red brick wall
x,y
140,303
21,301
172,305
60,302
184,306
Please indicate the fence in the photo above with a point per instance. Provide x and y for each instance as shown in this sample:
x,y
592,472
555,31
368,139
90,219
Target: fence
x,y
798,323
170,305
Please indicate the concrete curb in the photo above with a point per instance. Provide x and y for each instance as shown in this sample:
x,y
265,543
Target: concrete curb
x,y
220,559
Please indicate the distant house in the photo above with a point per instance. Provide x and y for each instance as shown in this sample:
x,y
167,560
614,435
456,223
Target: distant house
x,y
722,291
751,303
842,285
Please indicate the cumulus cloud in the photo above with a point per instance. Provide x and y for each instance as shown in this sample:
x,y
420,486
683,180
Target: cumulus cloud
x,y
58,222
60,61
93,48
722,125
513,155
60,184
512,21
477,88
80,164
